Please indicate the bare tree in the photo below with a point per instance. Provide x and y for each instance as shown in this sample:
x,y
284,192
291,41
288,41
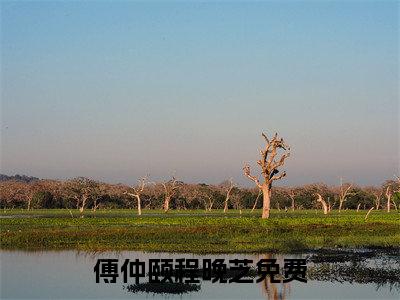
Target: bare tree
x,y
255,202
237,202
228,190
82,190
205,194
324,205
208,202
388,194
369,211
396,192
138,191
377,194
269,169
292,195
392,190
344,191
170,188
331,206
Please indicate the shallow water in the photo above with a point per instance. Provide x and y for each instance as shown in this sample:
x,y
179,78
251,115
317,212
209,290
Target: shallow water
x,y
70,275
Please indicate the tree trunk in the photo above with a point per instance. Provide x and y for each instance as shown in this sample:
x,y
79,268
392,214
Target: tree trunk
x,y
394,204
81,210
166,204
95,205
139,206
324,205
226,205
266,202
366,216
358,206
255,203
378,203
83,203
388,196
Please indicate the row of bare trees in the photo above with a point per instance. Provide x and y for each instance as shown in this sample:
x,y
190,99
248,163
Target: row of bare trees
x,y
83,193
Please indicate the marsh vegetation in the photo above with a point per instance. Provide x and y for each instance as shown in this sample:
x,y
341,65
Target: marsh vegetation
x,y
197,231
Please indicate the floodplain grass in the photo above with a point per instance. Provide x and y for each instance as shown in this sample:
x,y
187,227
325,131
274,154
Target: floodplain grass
x,y
197,231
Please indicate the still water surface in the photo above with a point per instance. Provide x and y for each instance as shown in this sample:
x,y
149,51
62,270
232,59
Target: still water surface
x,y
70,275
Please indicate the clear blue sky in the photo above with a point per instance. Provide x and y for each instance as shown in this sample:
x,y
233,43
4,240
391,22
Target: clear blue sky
x,y
117,90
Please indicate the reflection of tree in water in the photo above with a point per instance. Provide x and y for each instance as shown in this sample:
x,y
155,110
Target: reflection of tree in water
x,y
163,288
275,290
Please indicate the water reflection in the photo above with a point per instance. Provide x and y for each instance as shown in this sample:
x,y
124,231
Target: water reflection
x,y
274,290
331,274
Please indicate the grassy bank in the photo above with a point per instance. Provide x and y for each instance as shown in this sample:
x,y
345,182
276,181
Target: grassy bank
x,y
196,231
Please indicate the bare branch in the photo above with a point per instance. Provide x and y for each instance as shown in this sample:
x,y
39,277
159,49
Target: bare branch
x,y
246,172
265,137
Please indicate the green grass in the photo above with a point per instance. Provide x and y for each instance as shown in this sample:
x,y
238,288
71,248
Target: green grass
x,y
197,231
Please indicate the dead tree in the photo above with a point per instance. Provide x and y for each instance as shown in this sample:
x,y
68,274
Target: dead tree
x,y
205,194
82,190
396,193
237,202
388,194
377,195
269,169
331,206
343,193
292,194
369,211
138,191
228,194
324,205
208,202
170,188
255,202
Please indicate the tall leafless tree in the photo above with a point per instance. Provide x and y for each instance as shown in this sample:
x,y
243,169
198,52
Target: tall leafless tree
x,y
377,194
138,191
388,194
170,188
269,169
228,190
324,205
344,191
81,189
292,195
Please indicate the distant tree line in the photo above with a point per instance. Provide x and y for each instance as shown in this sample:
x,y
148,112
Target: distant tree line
x,y
83,193
17,177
